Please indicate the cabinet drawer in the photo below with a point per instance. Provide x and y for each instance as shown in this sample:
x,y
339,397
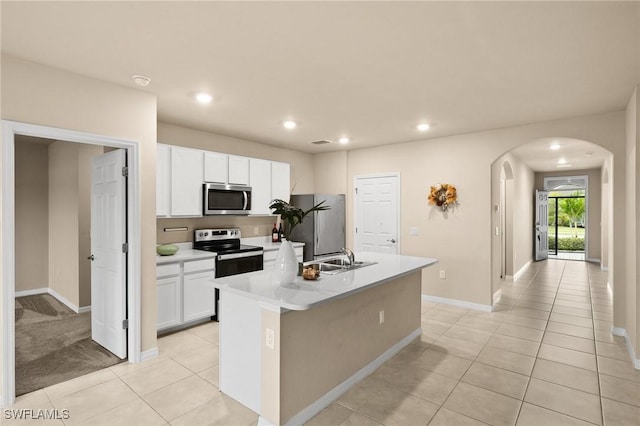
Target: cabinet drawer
x,y
199,265
272,254
167,270
269,255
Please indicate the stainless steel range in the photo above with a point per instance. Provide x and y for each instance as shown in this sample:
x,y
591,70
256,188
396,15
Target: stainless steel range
x,y
232,257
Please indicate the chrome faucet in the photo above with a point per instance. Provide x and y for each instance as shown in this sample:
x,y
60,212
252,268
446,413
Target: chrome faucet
x,y
350,255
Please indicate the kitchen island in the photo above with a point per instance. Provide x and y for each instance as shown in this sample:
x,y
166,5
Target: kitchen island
x,y
288,351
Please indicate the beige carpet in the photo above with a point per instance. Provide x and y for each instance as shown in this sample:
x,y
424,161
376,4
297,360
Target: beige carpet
x,y
53,344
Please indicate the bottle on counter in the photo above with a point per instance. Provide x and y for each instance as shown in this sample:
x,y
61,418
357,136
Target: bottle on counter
x,y
280,232
275,235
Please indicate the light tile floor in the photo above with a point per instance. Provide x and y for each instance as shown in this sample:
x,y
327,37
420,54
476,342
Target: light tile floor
x,y
544,357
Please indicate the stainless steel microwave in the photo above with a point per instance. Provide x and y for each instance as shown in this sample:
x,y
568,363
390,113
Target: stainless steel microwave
x,y
226,199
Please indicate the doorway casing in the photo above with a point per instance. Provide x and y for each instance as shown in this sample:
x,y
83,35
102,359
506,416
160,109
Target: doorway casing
x,y
584,185
9,130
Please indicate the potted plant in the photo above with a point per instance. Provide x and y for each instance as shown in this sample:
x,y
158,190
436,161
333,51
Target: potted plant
x,y
286,266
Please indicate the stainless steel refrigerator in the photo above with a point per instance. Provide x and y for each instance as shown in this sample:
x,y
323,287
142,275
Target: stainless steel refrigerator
x,y
322,232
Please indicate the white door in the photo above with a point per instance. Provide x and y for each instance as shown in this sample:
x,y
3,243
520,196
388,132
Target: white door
x,y
542,225
376,214
108,266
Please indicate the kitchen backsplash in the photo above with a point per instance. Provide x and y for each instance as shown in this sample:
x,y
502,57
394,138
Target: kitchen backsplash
x,y
250,226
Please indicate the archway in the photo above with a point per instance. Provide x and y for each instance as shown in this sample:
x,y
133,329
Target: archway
x,y
517,174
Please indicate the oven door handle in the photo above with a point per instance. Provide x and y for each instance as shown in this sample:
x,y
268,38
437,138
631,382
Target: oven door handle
x,y
240,255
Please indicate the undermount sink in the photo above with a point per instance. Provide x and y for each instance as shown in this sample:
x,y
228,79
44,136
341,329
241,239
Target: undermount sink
x,y
335,266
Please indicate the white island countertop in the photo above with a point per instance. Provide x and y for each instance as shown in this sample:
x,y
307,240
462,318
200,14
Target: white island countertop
x,y
303,294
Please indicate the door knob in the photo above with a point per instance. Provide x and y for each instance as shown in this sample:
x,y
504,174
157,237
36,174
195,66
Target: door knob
x,y
392,240
91,258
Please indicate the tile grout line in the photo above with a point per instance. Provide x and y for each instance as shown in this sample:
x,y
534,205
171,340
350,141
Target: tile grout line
x,y
524,395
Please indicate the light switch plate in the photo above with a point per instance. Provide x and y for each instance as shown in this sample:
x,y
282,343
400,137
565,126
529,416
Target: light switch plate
x,y
413,231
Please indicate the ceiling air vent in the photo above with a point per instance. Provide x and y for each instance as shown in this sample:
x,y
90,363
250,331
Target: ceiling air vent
x,y
322,142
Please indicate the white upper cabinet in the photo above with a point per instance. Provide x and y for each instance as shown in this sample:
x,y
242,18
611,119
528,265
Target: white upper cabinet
x,y
260,181
180,173
280,181
223,168
216,167
238,170
186,181
163,180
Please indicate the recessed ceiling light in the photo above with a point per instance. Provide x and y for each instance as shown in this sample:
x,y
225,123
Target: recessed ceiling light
x,y
562,161
423,127
343,140
141,80
563,165
290,124
588,154
554,146
204,98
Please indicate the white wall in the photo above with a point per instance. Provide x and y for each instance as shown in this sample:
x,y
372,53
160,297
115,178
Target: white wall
x,y
63,220
463,240
632,247
520,216
38,94
32,210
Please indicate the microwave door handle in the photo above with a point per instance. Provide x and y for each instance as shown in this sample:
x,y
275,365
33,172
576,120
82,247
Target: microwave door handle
x,y
246,200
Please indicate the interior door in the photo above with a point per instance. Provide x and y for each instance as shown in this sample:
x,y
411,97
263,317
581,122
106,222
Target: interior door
x,y
376,224
108,266
542,225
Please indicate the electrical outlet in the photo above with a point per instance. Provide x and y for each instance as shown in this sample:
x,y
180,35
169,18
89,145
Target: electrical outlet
x,y
256,230
413,231
381,317
443,274
270,338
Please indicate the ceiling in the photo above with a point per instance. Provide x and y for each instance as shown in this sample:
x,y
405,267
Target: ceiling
x,y
570,154
367,70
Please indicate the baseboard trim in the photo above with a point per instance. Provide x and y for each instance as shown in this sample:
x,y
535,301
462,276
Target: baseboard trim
x,y
518,274
149,354
593,260
458,303
32,292
621,332
324,401
60,298
497,295
64,300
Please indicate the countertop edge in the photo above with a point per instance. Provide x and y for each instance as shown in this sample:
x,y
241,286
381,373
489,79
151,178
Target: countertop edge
x,y
332,297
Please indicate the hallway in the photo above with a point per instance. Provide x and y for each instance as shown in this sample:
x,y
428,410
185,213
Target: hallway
x,y
544,357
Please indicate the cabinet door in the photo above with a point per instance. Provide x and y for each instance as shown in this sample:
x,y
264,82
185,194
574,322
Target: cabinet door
x,y
163,179
260,180
238,170
186,181
280,180
215,167
169,302
199,296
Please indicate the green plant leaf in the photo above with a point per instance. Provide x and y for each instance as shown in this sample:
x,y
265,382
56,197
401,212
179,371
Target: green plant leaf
x,y
292,215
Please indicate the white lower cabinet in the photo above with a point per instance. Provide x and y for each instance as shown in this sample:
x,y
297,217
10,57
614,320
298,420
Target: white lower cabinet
x,y
199,296
269,257
168,290
184,292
